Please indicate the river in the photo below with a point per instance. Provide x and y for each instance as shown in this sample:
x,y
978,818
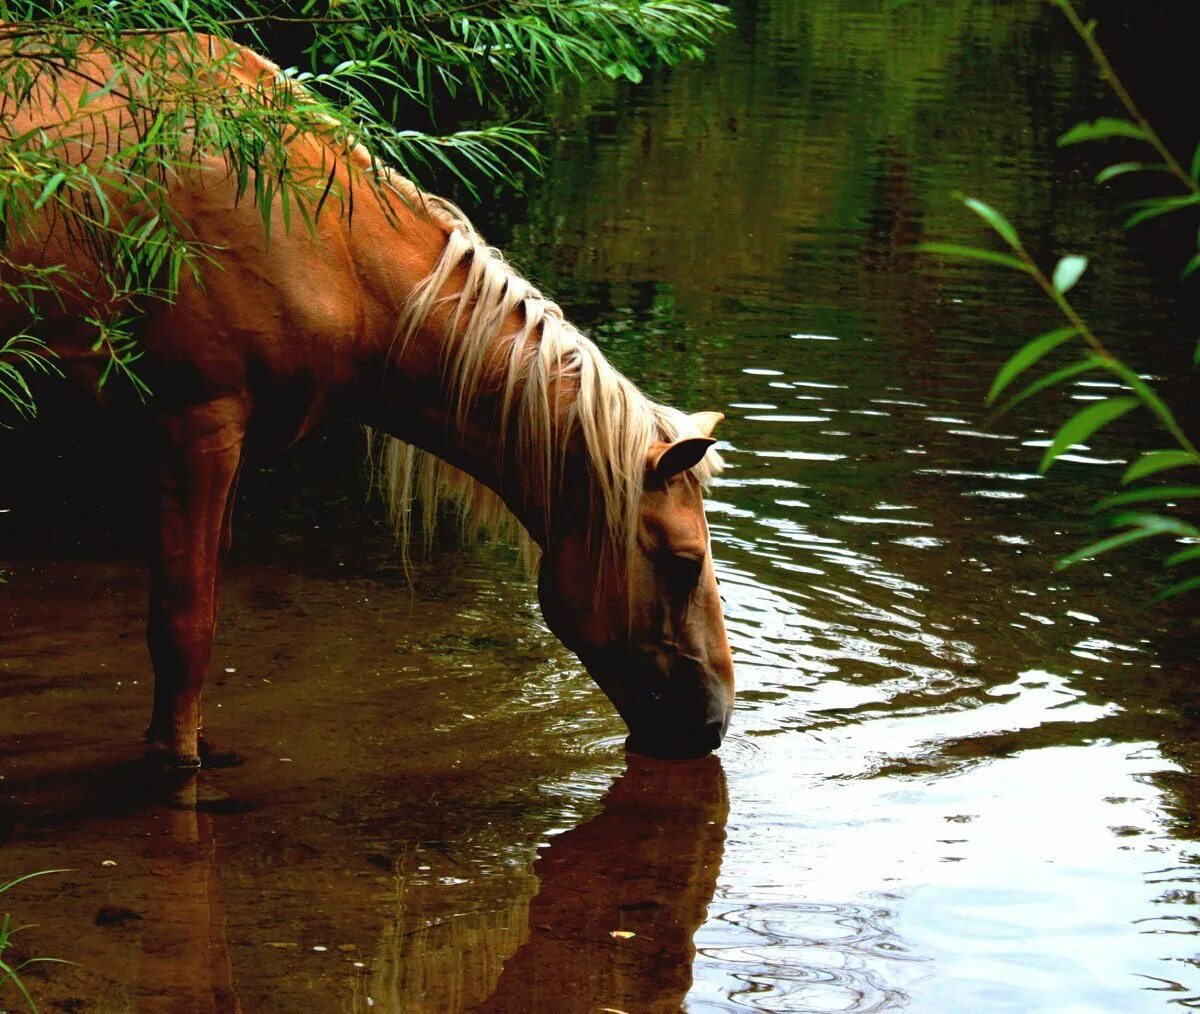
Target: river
x,y
956,780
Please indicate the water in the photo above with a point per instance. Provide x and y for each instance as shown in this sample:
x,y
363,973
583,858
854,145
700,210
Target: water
x,y
956,780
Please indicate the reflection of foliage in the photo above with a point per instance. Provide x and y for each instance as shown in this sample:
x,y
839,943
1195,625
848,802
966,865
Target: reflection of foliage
x,y
10,973
365,58
1146,511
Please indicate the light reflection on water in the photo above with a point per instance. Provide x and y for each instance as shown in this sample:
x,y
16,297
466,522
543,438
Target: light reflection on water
x,y
954,783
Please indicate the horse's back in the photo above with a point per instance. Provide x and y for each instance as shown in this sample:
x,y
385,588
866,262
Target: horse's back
x,y
262,304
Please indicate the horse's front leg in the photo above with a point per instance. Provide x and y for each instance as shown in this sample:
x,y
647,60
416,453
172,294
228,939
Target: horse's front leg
x,y
199,459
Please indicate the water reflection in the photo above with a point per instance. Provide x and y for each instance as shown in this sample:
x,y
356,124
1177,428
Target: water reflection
x,y
956,781
622,895
183,962
618,901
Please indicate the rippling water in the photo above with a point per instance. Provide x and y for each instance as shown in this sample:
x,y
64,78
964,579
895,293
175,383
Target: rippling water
x,y
956,780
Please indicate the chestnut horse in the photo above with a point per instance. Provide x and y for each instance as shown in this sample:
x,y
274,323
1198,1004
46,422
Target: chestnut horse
x,y
392,310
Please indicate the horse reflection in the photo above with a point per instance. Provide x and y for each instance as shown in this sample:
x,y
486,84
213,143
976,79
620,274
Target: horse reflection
x,y
183,961
619,899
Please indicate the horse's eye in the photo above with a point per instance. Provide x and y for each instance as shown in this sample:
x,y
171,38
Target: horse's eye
x,y
684,571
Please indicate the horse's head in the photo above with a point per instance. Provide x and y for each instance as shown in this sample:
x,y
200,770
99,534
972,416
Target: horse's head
x,y
650,630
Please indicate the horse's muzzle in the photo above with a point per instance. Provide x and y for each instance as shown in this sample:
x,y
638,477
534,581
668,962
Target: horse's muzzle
x,y
678,746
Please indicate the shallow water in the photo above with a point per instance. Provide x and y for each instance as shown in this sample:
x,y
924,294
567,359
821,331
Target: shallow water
x,y
956,781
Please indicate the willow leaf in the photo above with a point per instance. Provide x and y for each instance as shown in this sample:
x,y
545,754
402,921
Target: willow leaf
x,y
1153,207
1083,424
995,219
1148,495
1190,584
1098,130
1068,271
1158,461
1122,168
1183,556
1049,380
1160,524
974,253
1025,357
1104,546
1149,398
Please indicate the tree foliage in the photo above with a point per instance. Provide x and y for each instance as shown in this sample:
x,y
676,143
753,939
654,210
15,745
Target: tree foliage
x,y
362,64
1162,511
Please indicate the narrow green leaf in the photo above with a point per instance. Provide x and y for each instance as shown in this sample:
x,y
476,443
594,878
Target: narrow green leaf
x,y
997,221
1103,546
30,876
1192,265
1049,380
1098,130
1155,206
1190,584
1158,461
1147,495
1121,168
49,190
1083,424
1183,556
974,253
1149,398
1196,163
1068,271
1028,354
1160,524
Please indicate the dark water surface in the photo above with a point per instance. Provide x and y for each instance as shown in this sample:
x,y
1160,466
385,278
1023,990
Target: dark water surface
x,y
955,782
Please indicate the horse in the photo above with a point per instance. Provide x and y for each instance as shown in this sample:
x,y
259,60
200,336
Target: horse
x,y
392,310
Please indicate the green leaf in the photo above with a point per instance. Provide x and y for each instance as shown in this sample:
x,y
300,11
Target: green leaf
x,y
1121,168
1148,495
1183,556
1160,524
1190,584
1083,424
1158,461
1141,526
49,190
1149,398
1057,377
1098,130
1028,354
974,253
1192,265
1196,163
1068,271
30,876
1153,207
997,221
1104,546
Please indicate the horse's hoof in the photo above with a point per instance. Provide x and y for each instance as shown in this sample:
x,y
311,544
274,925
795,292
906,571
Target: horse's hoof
x,y
212,758
186,764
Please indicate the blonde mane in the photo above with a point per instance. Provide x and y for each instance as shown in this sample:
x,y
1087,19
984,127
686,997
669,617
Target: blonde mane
x,y
547,362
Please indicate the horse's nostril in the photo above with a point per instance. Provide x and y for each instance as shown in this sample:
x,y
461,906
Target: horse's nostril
x,y
714,732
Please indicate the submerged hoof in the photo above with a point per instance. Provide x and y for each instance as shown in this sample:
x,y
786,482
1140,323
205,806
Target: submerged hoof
x,y
211,757
158,753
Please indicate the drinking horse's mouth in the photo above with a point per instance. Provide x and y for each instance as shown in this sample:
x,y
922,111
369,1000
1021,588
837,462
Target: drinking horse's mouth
x,y
683,715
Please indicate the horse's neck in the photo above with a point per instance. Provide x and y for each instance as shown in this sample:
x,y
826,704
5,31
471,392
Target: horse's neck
x,y
415,397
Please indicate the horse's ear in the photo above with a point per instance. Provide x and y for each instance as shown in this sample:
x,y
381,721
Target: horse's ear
x,y
667,460
705,422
